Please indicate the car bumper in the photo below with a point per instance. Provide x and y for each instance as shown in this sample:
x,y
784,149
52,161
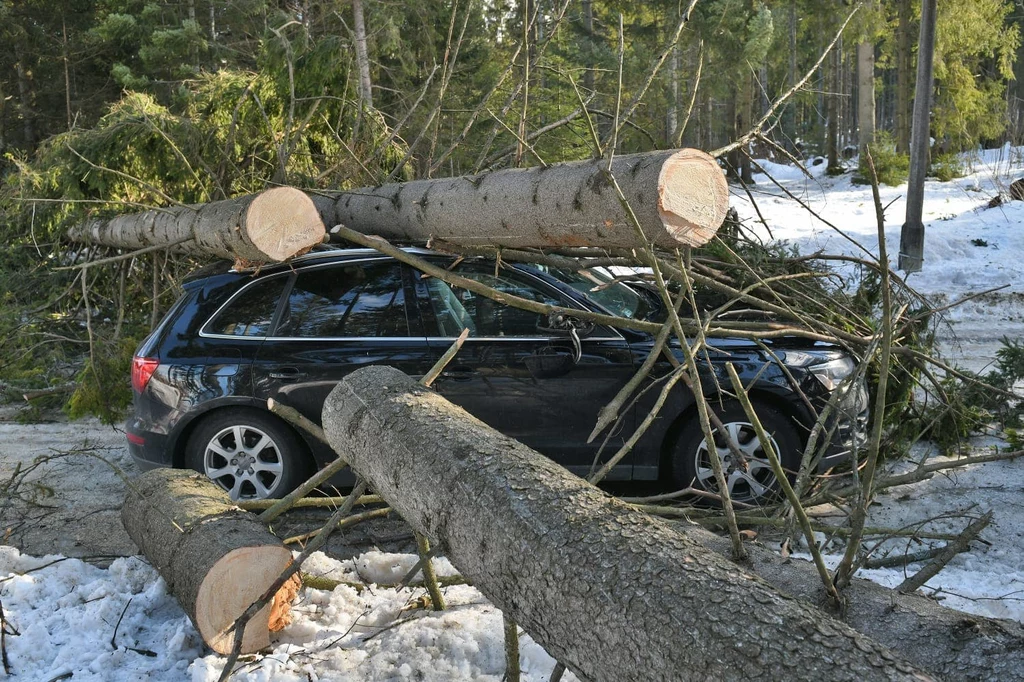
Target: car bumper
x,y
148,449
848,432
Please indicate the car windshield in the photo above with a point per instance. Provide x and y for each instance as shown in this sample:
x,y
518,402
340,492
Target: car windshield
x,y
601,288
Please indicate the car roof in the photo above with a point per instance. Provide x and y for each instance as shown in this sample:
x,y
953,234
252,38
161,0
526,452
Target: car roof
x,y
321,254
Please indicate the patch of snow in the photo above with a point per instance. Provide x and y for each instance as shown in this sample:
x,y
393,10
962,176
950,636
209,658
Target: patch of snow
x,y
67,613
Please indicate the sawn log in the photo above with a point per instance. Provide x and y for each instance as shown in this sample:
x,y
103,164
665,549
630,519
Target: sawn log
x,y
680,198
215,558
258,228
609,591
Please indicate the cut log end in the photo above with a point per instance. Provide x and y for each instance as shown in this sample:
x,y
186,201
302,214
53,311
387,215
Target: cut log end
x,y
693,197
283,223
237,580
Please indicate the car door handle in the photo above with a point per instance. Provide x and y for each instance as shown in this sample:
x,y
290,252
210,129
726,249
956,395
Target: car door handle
x,y
459,374
286,374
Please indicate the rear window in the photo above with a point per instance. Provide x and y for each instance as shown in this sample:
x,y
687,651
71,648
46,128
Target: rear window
x,y
354,300
251,312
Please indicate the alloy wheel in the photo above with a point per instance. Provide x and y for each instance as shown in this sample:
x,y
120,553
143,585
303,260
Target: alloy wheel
x,y
244,461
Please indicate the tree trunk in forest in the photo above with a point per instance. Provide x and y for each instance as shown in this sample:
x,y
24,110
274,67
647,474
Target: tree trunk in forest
x,y
215,558
832,96
790,116
912,236
588,26
744,119
672,111
67,71
865,96
28,114
903,84
271,226
679,197
607,590
362,56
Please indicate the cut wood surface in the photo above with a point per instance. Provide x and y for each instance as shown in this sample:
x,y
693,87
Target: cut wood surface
x,y
267,227
680,197
215,558
604,588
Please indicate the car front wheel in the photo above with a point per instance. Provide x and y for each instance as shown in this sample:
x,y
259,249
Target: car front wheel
x,y
250,455
749,479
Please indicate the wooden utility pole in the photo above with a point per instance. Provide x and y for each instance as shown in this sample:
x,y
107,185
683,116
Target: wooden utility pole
x,y
912,238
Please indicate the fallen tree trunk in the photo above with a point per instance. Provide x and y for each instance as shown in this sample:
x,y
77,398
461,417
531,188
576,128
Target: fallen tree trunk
x,y
215,558
607,590
679,198
270,226
951,644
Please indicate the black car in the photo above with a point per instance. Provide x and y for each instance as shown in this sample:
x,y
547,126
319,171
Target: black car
x,y
290,332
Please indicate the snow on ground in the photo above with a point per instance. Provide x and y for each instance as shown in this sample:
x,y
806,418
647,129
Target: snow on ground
x,y
119,624
955,214
969,248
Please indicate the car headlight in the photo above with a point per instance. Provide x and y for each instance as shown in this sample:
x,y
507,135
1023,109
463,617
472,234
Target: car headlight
x,y
829,367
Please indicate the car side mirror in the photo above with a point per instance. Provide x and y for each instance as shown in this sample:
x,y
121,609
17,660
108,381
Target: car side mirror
x,y
563,324
573,327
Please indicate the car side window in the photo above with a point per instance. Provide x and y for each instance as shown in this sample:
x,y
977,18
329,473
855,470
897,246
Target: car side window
x,y
456,308
352,300
252,311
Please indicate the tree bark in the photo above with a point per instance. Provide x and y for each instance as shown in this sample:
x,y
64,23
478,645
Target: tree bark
x,y
25,97
271,226
865,95
606,589
362,56
833,94
951,644
672,93
680,198
903,85
215,558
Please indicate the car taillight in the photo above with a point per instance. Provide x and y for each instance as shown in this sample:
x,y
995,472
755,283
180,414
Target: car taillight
x,y
142,372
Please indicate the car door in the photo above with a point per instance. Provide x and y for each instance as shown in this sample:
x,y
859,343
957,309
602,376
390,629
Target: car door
x,y
520,377
336,318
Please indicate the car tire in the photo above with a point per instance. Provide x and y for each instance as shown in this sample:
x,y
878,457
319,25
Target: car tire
x,y
758,483
271,462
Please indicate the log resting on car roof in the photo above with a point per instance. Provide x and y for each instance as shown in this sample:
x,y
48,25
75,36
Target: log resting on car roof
x,y
680,198
274,225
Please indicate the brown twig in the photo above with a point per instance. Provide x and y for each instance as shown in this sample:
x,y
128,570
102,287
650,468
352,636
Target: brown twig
x,y
286,502
308,502
327,584
346,522
787,489
4,626
512,672
443,361
429,576
296,418
961,544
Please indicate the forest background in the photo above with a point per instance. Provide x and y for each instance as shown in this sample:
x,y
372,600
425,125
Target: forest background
x,y
119,105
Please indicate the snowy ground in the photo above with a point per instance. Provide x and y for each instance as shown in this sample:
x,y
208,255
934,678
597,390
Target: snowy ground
x,y
118,623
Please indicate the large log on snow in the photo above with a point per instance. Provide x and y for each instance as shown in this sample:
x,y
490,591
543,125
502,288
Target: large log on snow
x,y
215,558
951,644
270,226
606,589
679,197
